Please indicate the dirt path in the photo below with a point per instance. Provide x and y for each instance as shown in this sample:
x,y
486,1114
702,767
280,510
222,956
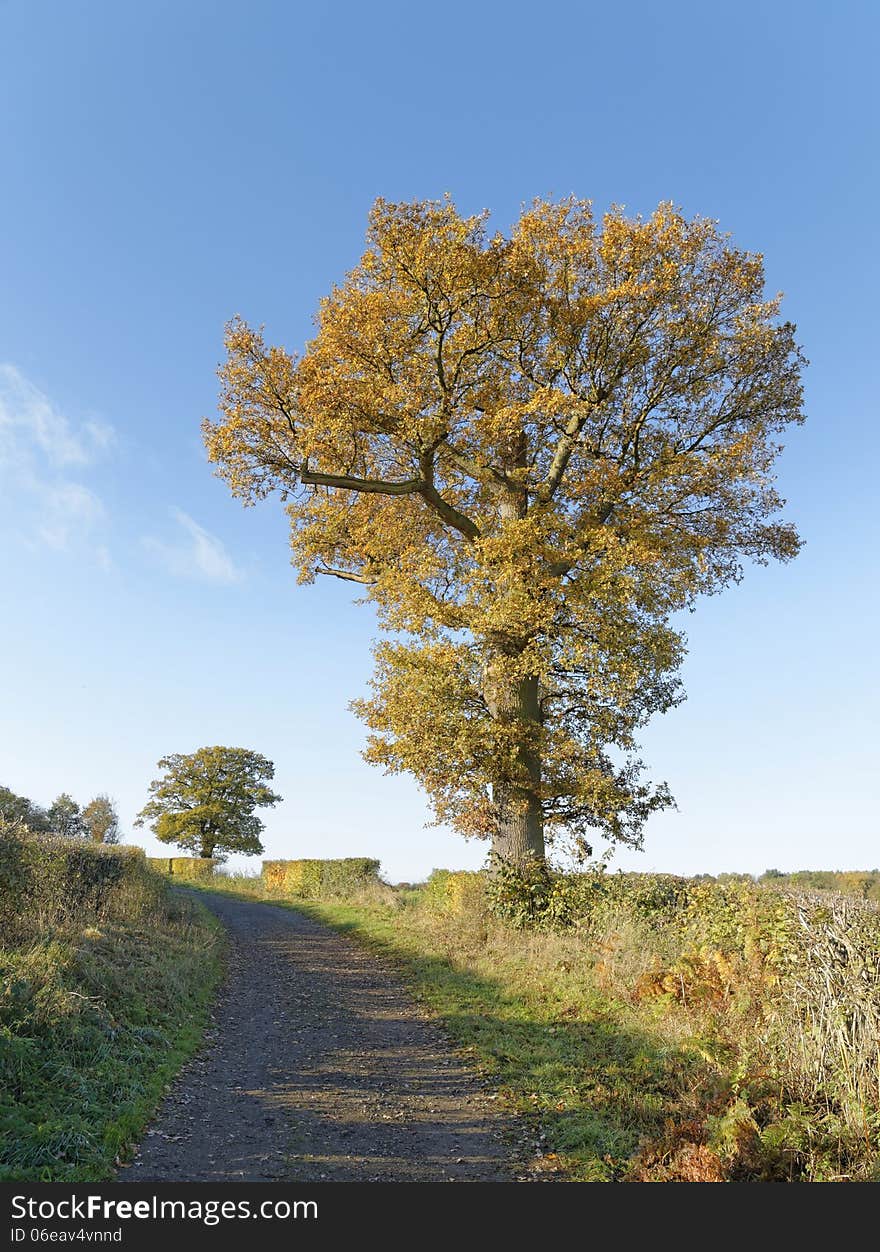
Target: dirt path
x,y
319,1066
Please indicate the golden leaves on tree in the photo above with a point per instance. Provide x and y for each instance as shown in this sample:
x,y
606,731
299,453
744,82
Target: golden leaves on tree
x,y
531,451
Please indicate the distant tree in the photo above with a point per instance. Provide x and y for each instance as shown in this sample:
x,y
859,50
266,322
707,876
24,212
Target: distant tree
x,y
12,806
772,873
18,809
65,818
101,820
205,801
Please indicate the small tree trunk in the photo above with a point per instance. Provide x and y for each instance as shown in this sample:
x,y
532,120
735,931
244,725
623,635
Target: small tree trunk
x,y
520,833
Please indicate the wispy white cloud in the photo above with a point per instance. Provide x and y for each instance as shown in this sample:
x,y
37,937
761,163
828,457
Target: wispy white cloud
x,y
195,553
69,509
43,457
103,557
30,423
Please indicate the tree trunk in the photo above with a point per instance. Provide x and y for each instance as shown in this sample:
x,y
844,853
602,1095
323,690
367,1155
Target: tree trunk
x,y
516,699
520,833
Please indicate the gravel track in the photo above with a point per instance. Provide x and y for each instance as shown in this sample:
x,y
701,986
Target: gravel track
x,y
319,1066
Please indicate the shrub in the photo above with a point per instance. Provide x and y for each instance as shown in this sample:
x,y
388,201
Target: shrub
x,y
311,879
533,896
827,1015
160,864
524,895
193,867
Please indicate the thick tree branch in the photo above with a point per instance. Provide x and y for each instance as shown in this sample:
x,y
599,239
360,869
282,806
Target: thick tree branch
x,y
346,575
370,486
450,514
567,444
562,456
423,487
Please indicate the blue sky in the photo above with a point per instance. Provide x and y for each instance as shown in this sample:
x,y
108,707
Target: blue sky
x,y
167,165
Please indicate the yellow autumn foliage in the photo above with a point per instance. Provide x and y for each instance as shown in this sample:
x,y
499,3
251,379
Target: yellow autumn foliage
x,y
530,451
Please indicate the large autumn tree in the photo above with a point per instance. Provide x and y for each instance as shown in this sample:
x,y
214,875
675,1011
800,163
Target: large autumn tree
x,y
531,451
205,801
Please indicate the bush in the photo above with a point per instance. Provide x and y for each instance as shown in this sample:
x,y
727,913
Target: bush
x,y
312,879
521,894
828,1007
194,868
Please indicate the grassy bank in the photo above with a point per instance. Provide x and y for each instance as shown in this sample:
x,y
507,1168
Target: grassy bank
x,y
652,1028
105,984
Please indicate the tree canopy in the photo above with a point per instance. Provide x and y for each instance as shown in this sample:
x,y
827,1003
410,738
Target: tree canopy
x,y
100,820
204,802
531,451
64,817
15,808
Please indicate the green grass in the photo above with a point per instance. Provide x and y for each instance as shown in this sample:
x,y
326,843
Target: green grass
x,y
94,1024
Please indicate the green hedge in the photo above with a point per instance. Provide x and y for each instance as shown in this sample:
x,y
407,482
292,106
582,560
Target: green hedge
x,y
50,879
188,867
717,911
313,879
456,891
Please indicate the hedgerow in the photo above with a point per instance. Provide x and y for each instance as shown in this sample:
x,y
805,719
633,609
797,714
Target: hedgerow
x,y
105,981
310,879
190,868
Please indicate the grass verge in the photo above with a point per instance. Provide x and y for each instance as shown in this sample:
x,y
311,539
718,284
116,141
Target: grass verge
x,y
94,1023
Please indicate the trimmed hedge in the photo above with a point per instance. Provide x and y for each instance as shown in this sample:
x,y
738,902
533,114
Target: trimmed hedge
x,y
55,880
312,879
187,867
456,891
105,982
